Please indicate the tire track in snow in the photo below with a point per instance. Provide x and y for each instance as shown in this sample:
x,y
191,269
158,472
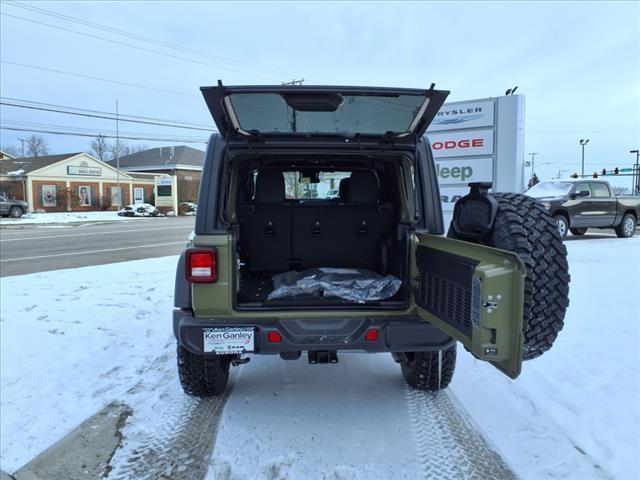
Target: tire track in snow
x,y
171,438
448,445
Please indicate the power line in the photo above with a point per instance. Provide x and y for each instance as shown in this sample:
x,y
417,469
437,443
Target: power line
x,y
146,39
138,117
52,132
90,131
124,44
103,116
116,82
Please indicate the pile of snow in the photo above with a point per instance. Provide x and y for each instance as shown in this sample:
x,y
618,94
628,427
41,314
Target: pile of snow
x,y
72,341
140,210
62,217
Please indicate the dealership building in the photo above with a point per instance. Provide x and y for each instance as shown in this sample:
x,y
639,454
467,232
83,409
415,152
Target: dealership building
x,y
72,182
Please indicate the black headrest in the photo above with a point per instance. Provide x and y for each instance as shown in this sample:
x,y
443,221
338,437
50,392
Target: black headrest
x,y
269,186
363,186
343,189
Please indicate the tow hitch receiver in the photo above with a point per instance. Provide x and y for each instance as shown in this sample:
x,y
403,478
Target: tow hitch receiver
x,y
323,356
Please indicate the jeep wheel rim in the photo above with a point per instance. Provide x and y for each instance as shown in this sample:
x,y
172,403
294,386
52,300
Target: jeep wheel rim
x,y
629,226
562,227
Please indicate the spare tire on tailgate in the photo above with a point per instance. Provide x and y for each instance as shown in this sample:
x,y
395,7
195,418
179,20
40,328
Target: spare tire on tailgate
x,y
523,226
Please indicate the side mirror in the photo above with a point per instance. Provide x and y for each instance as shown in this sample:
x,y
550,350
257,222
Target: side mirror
x,y
581,193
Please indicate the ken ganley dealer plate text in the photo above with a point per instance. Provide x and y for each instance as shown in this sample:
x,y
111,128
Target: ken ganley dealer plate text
x,y
228,339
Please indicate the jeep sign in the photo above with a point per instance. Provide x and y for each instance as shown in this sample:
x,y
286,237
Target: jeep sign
x,y
478,141
451,172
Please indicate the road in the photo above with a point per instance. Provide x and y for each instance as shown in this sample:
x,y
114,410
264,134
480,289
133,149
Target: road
x,y
32,249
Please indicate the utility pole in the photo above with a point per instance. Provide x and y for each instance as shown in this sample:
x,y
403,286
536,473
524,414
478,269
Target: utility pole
x,y
294,82
561,172
22,140
118,158
583,142
533,162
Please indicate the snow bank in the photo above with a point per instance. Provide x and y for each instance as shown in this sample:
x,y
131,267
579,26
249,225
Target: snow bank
x,y
72,341
65,217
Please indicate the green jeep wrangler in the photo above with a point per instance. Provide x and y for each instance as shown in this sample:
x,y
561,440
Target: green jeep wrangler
x,y
278,267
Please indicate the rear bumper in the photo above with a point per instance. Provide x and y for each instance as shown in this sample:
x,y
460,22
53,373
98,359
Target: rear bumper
x,y
395,334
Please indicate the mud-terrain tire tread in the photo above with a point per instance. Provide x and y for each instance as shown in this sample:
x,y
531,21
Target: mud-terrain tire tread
x,y
202,376
524,226
429,371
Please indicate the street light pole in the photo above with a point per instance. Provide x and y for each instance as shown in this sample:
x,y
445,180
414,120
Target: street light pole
x,y
583,142
118,158
636,172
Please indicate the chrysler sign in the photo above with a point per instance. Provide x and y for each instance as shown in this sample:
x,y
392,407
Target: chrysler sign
x,y
463,115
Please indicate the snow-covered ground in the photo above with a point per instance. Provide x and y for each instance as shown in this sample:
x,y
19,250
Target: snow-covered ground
x,y
72,341
65,217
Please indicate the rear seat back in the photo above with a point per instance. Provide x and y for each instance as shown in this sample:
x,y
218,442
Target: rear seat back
x,y
265,225
343,235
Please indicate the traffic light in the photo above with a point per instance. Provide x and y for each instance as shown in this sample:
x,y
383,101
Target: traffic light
x,y
604,172
616,171
595,174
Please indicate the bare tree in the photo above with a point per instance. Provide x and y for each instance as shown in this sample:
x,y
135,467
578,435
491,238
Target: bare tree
x,y
36,146
100,148
138,147
118,148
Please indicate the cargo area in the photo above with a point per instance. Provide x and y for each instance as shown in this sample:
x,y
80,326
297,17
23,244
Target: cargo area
x,y
295,216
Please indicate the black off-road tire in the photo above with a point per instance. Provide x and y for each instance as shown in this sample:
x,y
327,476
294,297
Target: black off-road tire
x,y
627,227
430,371
202,376
578,231
524,226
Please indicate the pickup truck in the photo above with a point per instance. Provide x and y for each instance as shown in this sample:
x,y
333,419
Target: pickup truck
x,y
577,205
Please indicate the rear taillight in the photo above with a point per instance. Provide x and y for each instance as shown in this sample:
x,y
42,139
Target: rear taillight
x,y
274,337
371,335
202,266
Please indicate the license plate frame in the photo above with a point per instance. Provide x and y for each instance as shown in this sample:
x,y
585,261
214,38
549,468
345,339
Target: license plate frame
x,y
228,340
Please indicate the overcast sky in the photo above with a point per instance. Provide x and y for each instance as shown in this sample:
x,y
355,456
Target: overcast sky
x,y
576,63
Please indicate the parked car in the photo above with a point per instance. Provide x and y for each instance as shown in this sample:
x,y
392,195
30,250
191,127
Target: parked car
x,y
187,208
577,205
12,208
139,210
266,274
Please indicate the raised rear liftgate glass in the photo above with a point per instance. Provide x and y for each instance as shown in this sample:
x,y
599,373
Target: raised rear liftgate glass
x,y
329,114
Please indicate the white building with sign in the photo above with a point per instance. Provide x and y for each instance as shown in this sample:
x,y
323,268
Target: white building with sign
x,y
478,141
72,182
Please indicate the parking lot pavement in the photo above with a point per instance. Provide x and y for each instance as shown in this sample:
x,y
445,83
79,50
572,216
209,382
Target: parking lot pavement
x,y
31,249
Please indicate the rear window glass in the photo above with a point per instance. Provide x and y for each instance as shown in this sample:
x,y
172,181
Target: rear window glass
x,y
299,187
353,114
600,190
